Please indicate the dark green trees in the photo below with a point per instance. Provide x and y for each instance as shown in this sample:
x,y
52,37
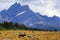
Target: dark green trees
x,y
15,26
12,26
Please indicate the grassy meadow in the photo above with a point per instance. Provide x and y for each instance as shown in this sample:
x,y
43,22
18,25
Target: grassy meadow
x,y
15,31
30,35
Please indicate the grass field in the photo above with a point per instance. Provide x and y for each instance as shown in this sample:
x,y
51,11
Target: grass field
x,y
30,35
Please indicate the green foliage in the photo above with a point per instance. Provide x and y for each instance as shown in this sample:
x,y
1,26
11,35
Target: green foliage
x,y
16,26
12,26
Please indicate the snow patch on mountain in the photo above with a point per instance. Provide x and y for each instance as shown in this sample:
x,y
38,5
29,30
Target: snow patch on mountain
x,y
20,13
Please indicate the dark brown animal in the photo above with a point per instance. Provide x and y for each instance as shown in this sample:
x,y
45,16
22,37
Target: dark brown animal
x,y
22,35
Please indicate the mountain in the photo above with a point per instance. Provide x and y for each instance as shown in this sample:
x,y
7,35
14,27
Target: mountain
x,y
24,15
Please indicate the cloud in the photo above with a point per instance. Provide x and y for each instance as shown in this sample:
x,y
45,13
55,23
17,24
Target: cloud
x,y
5,4
44,7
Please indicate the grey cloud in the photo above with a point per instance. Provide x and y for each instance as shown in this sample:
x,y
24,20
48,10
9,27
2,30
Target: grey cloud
x,y
44,6
6,1
27,0
56,3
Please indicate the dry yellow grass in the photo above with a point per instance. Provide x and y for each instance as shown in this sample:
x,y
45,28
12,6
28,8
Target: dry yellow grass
x,y
35,35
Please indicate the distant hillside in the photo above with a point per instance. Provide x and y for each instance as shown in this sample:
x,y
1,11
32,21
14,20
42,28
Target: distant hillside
x,y
24,15
15,26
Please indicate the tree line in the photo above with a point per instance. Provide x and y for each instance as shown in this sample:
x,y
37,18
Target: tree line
x,y
12,26
15,26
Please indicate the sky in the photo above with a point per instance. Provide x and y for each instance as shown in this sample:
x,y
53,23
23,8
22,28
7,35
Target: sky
x,y
44,7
